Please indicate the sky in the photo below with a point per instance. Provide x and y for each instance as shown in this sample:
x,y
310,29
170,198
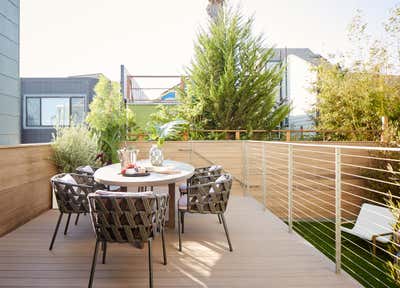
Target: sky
x,y
73,37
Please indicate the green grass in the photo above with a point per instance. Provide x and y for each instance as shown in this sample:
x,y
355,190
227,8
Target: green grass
x,y
357,258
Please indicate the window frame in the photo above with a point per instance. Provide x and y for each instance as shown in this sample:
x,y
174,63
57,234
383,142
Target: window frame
x,y
52,96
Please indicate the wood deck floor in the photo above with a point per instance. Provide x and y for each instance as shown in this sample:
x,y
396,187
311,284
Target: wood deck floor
x,y
264,255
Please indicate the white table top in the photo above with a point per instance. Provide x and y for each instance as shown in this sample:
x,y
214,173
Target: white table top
x,y
110,175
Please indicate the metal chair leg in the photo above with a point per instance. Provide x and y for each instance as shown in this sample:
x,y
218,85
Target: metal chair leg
x,y
226,232
66,225
150,264
219,219
94,261
55,231
104,245
163,246
179,231
77,219
183,222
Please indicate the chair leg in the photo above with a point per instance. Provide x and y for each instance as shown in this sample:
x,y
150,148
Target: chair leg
x,y
179,231
66,225
226,232
104,245
150,264
183,222
94,261
163,246
77,219
219,219
55,231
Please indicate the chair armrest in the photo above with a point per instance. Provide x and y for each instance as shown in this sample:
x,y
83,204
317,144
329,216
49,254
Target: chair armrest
x,y
382,234
74,185
349,222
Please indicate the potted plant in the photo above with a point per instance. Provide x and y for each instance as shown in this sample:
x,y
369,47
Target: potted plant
x,y
74,146
160,133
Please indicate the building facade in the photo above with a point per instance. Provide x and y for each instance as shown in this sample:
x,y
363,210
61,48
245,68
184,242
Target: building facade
x,y
296,85
294,89
10,97
47,102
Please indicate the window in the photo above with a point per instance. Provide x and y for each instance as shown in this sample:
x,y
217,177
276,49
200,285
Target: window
x,y
33,111
55,111
51,111
77,110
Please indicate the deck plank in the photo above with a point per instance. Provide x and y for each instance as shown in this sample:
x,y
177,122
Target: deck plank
x,y
264,255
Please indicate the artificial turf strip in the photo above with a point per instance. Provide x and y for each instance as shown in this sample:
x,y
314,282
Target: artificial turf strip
x,y
359,262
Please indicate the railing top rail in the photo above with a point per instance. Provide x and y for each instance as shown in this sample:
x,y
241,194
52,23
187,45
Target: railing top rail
x,y
155,76
392,149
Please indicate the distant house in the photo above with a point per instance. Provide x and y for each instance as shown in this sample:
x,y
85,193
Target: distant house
x,y
53,101
295,88
296,84
144,99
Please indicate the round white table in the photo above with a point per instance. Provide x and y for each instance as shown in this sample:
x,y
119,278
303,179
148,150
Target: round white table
x,y
111,175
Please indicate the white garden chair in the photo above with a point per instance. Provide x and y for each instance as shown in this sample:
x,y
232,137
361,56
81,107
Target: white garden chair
x,y
374,223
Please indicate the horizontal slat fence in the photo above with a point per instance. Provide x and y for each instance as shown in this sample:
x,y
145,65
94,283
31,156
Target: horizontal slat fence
x,y
25,173
26,170
313,177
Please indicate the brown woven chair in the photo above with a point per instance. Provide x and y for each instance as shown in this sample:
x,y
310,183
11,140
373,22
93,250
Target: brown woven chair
x,y
214,170
71,198
205,198
127,218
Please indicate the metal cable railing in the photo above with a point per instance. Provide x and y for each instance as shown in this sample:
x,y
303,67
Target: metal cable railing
x,y
316,189
334,196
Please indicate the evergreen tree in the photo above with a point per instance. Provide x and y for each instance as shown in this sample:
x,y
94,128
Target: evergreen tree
x,y
229,84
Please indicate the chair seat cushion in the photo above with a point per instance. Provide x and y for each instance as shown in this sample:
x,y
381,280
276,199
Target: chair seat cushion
x,y
182,202
87,169
367,235
215,168
221,179
114,188
183,188
67,178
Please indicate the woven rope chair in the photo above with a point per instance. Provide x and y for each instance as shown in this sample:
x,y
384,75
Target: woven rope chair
x,y
196,180
71,198
127,218
98,186
201,172
206,198
81,170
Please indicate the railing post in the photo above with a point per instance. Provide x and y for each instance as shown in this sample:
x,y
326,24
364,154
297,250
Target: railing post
x,y
237,135
244,168
338,216
290,187
247,168
264,176
288,135
186,136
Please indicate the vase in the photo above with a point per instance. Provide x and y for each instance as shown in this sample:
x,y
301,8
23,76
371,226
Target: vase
x,y
156,156
127,156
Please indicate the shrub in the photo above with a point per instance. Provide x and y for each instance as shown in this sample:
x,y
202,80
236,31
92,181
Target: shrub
x,y
109,118
74,146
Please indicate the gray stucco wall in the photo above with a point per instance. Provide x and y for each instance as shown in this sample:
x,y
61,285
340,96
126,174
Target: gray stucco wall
x,y
10,97
54,87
